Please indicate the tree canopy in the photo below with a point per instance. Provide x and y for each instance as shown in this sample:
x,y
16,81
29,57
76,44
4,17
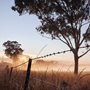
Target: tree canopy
x,y
58,17
63,20
13,49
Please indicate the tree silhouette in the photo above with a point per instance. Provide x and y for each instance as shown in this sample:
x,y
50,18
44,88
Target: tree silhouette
x,y
13,49
63,20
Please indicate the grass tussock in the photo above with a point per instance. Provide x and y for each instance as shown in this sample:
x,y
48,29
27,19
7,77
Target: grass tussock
x,y
45,80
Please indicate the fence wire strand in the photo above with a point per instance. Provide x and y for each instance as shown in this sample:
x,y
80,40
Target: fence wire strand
x,y
51,54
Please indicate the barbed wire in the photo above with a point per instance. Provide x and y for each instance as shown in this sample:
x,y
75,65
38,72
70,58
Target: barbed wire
x,y
51,54
42,57
20,64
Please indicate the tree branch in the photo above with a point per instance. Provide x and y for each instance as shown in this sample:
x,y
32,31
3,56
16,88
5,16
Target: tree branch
x,y
67,41
80,25
84,53
70,42
62,41
83,37
66,11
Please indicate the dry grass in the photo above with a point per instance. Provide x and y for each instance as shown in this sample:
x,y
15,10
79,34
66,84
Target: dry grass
x,y
44,80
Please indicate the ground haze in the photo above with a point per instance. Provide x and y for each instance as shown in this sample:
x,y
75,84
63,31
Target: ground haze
x,y
43,79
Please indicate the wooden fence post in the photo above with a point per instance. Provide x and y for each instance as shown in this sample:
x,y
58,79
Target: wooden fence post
x,y
28,74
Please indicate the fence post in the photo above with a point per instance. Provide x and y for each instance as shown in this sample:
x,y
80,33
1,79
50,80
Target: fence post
x,y
28,74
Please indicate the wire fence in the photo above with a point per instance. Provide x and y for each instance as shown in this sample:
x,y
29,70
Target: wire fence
x,y
52,54
48,55
28,70
44,56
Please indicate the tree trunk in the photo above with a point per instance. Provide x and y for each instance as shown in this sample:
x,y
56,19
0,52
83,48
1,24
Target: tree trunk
x,y
76,64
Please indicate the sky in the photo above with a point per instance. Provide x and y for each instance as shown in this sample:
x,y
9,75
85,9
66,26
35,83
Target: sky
x,y
23,29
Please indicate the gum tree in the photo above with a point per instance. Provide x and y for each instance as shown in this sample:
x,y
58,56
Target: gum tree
x,y
13,49
63,20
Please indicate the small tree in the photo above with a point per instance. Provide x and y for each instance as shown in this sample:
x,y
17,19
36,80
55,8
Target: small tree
x,y
13,49
63,20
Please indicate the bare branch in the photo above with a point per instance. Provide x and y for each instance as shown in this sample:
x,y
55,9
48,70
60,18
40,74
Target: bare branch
x,y
85,46
70,42
66,41
62,41
84,53
79,37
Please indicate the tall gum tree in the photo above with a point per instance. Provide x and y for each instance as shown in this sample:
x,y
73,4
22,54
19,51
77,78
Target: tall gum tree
x,y
63,20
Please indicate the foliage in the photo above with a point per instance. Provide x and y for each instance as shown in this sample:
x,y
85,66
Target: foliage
x,y
58,17
13,49
61,19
